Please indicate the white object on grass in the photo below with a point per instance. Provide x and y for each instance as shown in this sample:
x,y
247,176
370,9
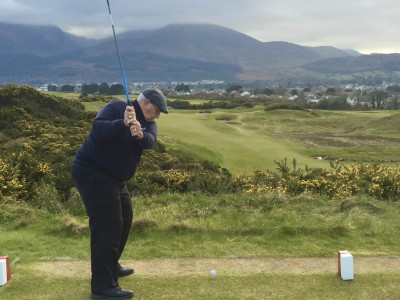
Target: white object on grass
x,y
346,265
213,273
3,272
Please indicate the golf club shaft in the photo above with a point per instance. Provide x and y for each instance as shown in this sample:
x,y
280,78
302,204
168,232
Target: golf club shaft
x,y
128,100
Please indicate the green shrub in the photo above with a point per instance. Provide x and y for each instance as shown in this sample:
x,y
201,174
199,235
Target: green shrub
x,y
74,205
47,197
282,105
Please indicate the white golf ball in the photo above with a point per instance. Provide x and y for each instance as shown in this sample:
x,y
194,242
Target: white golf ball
x,y
213,273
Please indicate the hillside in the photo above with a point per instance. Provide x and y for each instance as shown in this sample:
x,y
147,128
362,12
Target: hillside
x,y
43,54
38,40
348,65
214,43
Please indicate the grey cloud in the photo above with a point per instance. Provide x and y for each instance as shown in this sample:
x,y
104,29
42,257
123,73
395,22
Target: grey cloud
x,y
365,25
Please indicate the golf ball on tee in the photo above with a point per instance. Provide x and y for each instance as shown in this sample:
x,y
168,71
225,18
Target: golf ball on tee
x,y
213,273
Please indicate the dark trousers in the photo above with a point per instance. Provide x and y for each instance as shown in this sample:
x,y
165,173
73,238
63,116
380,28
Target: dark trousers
x,y
109,207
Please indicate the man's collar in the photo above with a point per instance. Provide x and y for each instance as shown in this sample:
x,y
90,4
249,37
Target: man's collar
x,y
138,110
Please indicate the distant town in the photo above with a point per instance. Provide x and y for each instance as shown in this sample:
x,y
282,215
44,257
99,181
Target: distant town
x,y
382,96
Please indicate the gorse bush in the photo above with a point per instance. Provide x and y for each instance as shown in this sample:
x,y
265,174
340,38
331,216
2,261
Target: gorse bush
x,y
341,181
40,135
12,182
19,172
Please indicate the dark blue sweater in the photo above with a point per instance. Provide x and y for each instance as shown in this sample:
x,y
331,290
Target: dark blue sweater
x,y
110,148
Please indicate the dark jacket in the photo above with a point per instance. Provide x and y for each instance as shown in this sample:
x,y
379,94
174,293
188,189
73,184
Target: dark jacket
x,y
110,148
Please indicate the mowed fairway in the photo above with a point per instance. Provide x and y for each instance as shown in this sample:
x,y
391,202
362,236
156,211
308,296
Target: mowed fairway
x,y
231,144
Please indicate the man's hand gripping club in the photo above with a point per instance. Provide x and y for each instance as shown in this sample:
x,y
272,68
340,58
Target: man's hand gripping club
x,y
131,122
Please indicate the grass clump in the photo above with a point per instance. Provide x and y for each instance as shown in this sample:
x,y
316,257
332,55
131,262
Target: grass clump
x,y
72,226
143,224
16,216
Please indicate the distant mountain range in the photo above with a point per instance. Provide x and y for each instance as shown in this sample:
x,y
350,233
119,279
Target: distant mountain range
x,y
185,52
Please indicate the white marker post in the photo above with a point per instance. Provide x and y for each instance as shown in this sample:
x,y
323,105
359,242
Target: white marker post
x,y
345,265
5,270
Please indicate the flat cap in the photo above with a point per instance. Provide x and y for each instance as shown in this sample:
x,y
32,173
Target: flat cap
x,y
157,98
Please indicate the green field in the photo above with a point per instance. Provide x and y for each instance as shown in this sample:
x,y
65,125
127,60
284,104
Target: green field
x,y
64,94
246,140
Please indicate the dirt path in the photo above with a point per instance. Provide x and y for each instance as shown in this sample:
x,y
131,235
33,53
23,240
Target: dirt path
x,y
234,266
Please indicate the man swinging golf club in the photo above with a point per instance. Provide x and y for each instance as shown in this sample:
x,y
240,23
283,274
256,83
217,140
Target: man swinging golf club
x,y
107,158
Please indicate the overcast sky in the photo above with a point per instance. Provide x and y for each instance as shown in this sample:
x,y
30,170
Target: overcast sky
x,y
368,26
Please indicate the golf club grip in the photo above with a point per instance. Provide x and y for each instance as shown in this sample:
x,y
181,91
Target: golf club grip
x,y
130,104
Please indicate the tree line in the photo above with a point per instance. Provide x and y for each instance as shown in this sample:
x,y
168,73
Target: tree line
x,y
92,88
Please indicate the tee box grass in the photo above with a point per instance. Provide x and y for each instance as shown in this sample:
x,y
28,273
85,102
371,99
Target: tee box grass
x,y
197,229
